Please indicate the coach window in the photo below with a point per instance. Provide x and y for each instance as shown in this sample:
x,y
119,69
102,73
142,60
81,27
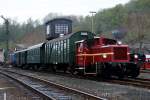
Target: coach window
x,y
109,41
62,53
37,51
56,50
34,51
67,49
96,41
58,47
64,48
65,44
49,45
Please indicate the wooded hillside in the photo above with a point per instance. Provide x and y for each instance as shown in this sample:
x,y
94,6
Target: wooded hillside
x,y
134,17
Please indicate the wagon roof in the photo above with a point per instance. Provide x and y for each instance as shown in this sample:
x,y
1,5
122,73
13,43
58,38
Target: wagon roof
x,y
64,37
20,51
79,41
35,46
31,47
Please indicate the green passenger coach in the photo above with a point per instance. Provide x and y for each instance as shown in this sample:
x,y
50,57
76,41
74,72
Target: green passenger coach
x,y
20,57
30,56
62,50
35,54
59,52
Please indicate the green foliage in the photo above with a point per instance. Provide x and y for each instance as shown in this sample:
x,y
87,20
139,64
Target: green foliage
x,y
134,17
17,31
110,19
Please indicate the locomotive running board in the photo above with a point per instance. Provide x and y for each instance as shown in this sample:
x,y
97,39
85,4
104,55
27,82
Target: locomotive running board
x,y
90,73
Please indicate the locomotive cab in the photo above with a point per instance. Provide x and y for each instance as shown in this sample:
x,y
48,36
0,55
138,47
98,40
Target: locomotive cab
x,y
84,57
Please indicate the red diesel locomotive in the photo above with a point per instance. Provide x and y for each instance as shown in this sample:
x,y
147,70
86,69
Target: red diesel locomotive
x,y
105,57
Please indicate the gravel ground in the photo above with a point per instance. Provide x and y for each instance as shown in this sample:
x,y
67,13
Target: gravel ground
x,y
145,75
11,90
103,89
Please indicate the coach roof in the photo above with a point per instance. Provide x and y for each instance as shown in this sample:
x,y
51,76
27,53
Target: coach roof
x,y
31,47
66,36
35,46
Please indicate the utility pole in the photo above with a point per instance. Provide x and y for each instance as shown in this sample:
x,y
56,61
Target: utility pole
x,y
7,35
92,27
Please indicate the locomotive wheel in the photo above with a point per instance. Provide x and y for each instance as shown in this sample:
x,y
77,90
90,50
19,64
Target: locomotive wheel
x,y
104,71
107,76
121,73
135,73
121,76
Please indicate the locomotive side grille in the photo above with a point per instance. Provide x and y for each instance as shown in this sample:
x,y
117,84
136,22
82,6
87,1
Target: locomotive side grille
x,y
120,53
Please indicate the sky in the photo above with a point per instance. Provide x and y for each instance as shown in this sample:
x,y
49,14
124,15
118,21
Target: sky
x,y
21,10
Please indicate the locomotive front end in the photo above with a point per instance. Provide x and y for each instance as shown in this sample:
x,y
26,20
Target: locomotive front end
x,y
120,54
120,64
112,58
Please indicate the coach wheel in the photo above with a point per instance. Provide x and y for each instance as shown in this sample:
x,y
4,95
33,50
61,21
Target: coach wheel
x,y
54,68
72,69
26,67
35,67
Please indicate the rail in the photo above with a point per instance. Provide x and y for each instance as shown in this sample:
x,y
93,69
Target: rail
x,y
60,91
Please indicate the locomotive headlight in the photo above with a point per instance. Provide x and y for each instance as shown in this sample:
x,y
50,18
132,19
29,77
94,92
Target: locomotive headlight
x,y
119,42
104,56
135,56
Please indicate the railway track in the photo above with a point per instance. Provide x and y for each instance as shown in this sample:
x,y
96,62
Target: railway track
x,y
138,82
50,90
145,71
